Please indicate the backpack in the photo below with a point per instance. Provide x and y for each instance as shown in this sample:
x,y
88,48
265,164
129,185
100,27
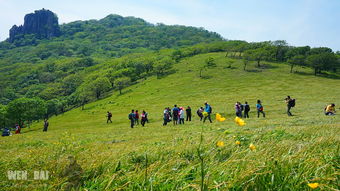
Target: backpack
x,y
110,114
210,110
247,108
292,103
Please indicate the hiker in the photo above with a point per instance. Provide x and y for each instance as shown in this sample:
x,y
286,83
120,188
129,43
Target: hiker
x,y
17,129
181,115
188,113
330,109
136,117
166,116
207,109
6,132
290,103
200,113
143,118
132,118
146,117
238,110
109,116
175,112
246,110
45,125
259,108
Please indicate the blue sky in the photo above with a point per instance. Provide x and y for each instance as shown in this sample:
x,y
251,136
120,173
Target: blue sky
x,y
299,22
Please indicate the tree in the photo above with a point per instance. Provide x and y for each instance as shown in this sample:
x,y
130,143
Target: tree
x,y
322,61
121,83
163,66
54,107
26,110
210,62
257,54
3,115
83,95
296,60
70,83
99,86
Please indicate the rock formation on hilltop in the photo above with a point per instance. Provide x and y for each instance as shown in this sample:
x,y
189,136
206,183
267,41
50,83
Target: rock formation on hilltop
x,y
42,24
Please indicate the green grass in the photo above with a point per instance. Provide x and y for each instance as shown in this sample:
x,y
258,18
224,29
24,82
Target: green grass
x,y
290,151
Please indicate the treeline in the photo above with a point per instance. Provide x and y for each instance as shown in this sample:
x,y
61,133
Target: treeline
x,y
61,86
320,58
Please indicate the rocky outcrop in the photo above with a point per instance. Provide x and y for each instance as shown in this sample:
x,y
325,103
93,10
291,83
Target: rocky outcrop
x,y
42,23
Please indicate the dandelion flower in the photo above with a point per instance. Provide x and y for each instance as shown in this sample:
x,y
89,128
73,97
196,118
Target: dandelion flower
x,y
238,143
313,185
220,144
252,147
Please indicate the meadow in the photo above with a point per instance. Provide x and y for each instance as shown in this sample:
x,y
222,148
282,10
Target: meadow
x,y
290,153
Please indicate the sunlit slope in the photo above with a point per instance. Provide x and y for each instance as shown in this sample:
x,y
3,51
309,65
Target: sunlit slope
x,y
294,150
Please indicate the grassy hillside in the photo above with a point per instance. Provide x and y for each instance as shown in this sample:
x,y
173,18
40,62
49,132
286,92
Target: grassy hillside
x,y
290,151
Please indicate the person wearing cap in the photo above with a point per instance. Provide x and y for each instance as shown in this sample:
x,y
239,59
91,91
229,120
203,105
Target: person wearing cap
x,y
208,111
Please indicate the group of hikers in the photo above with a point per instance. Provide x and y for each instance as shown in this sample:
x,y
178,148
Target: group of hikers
x,y
176,114
134,117
7,131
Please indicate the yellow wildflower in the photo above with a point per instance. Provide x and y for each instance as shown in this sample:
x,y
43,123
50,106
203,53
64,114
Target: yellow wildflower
x,y
219,117
238,143
252,147
220,144
313,185
239,121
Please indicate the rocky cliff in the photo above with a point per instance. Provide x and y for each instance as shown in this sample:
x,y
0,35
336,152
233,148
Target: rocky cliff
x,y
42,24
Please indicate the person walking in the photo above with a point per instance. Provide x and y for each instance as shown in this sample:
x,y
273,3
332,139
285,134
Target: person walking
x,y
188,113
238,110
181,115
166,116
143,118
207,109
259,108
175,112
17,129
200,113
246,110
136,117
46,124
132,117
109,116
146,117
290,103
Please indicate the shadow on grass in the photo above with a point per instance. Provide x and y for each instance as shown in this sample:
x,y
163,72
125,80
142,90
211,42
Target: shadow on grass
x,y
124,92
254,70
231,67
160,76
206,77
267,66
323,75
